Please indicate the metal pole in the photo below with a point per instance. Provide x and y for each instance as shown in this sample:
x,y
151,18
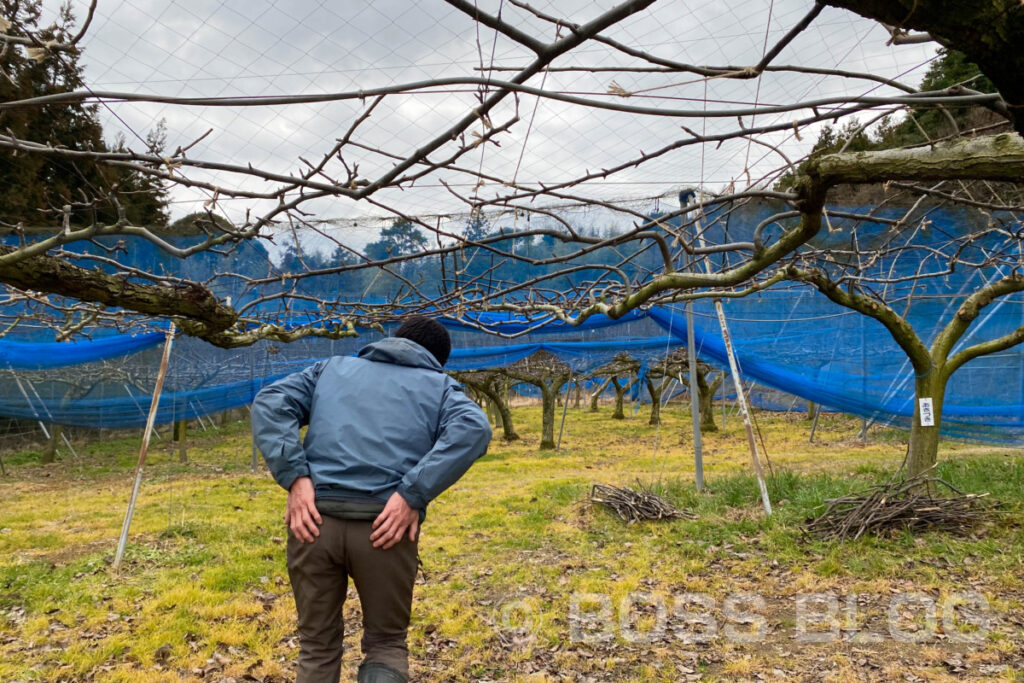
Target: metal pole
x,y
255,451
248,407
691,352
63,436
30,404
741,397
150,420
209,416
666,393
199,417
723,400
138,405
814,423
565,408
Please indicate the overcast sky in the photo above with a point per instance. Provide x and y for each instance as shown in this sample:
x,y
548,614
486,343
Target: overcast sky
x,y
257,47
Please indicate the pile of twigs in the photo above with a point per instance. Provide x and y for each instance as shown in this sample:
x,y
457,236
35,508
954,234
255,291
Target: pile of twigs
x,y
903,504
634,506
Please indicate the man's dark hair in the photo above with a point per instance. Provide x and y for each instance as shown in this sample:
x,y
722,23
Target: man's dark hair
x,y
429,334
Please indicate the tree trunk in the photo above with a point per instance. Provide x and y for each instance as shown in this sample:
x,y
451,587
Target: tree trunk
x,y
706,400
548,399
620,392
923,451
655,389
50,450
494,394
498,421
597,394
492,414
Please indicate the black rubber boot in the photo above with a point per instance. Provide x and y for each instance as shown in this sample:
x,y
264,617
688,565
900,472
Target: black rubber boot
x,y
375,672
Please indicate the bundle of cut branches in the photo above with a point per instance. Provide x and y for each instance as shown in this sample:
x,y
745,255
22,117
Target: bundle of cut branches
x,y
902,504
636,505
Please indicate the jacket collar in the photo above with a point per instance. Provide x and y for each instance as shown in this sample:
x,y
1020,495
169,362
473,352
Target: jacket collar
x,y
400,351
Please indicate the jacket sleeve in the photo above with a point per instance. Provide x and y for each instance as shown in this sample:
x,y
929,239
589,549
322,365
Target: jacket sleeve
x,y
464,435
278,411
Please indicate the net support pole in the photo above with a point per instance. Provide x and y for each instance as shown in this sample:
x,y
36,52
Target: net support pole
x,y
199,415
691,357
741,397
29,403
255,450
691,352
723,402
63,436
138,405
814,422
150,421
565,409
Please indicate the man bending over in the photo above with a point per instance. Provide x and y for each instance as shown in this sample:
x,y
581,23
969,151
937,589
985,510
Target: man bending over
x,y
388,432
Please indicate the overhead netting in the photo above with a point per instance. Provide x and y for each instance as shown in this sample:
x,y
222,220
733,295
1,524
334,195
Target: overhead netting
x,y
789,338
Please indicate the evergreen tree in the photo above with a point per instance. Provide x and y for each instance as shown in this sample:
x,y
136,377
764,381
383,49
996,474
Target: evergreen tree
x,y
950,69
34,188
398,239
142,196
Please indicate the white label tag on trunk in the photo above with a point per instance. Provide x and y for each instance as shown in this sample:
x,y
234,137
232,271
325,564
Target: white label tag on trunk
x,y
927,415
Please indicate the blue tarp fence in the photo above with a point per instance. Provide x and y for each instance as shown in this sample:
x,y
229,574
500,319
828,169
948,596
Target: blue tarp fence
x,y
789,339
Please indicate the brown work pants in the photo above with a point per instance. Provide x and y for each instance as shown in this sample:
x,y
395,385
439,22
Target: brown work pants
x,y
319,574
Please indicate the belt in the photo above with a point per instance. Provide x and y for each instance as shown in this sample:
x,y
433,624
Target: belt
x,y
349,509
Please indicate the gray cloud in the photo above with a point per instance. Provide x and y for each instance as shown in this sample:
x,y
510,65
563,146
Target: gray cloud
x,y
253,47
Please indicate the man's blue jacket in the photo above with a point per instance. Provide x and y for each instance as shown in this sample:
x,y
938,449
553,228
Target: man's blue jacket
x,y
387,420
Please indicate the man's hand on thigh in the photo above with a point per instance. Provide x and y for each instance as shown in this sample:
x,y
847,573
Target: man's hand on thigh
x,y
393,522
301,515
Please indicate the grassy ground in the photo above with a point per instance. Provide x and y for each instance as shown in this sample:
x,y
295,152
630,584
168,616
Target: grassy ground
x,y
518,570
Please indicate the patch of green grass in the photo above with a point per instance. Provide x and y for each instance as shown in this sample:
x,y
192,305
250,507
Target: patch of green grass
x,y
207,549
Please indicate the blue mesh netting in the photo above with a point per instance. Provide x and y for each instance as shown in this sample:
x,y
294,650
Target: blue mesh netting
x,y
787,338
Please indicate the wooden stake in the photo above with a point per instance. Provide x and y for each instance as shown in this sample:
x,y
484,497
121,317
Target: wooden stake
x,y
180,437
150,420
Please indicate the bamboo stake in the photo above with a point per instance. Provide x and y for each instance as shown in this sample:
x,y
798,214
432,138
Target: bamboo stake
x,y
150,420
